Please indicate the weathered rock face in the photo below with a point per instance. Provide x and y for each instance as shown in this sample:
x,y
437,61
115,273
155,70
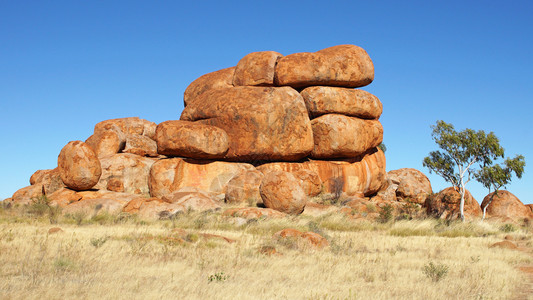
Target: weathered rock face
x,y
445,205
78,166
50,180
282,191
411,185
169,175
253,212
192,199
263,123
140,145
256,69
338,136
244,188
131,125
310,181
190,139
214,80
27,195
321,100
125,173
505,204
107,142
364,175
344,66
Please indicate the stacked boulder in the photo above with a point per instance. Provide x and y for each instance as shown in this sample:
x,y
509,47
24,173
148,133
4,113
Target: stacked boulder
x,y
272,131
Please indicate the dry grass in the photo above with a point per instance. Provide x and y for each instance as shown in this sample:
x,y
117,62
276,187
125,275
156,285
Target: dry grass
x,y
124,258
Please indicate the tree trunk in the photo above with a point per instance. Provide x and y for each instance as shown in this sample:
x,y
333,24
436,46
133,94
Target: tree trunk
x,y
462,202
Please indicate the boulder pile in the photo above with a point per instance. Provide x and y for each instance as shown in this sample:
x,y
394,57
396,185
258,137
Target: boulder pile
x,y
274,131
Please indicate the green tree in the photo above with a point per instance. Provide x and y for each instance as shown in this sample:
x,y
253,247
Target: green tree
x,y
460,153
494,177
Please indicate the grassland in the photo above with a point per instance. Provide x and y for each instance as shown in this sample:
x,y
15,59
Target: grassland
x,y
122,257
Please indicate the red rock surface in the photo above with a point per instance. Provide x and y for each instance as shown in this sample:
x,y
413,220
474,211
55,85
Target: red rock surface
x,y
48,179
505,204
168,175
107,142
191,139
192,199
411,185
214,80
310,181
263,123
140,145
27,195
338,136
253,213
343,65
126,172
445,205
362,175
321,100
78,166
256,69
315,240
131,125
282,191
317,210
244,188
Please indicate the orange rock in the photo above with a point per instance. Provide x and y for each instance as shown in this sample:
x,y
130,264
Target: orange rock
x,y
445,204
48,179
505,204
263,123
361,175
131,125
216,236
504,245
338,136
316,209
79,166
55,230
530,206
191,139
140,145
244,188
125,172
94,206
27,195
282,191
315,240
253,213
214,80
152,208
192,199
256,69
343,65
311,182
169,175
411,185
107,142
268,250
321,100
64,197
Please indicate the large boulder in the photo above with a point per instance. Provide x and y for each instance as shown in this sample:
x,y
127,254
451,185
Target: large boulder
x,y
214,80
505,204
140,145
351,176
78,166
130,125
282,191
152,208
310,181
446,205
126,173
192,199
263,123
50,180
321,100
256,69
411,185
190,139
107,142
244,188
27,195
169,175
339,136
343,65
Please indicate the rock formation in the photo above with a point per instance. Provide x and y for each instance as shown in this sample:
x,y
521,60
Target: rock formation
x,y
274,130
506,205
445,205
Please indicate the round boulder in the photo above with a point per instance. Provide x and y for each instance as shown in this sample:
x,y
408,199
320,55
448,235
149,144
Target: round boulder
x,y
412,185
446,204
78,165
244,188
283,192
505,204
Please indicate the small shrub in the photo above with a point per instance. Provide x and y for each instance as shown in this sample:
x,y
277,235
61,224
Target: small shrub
x,y
508,228
98,242
385,215
39,206
217,277
192,237
435,272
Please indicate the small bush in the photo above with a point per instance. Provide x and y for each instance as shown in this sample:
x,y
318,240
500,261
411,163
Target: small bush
x,y
435,272
98,242
385,215
217,277
508,228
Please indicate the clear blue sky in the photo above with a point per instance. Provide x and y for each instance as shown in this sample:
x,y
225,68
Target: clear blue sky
x,y
66,65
